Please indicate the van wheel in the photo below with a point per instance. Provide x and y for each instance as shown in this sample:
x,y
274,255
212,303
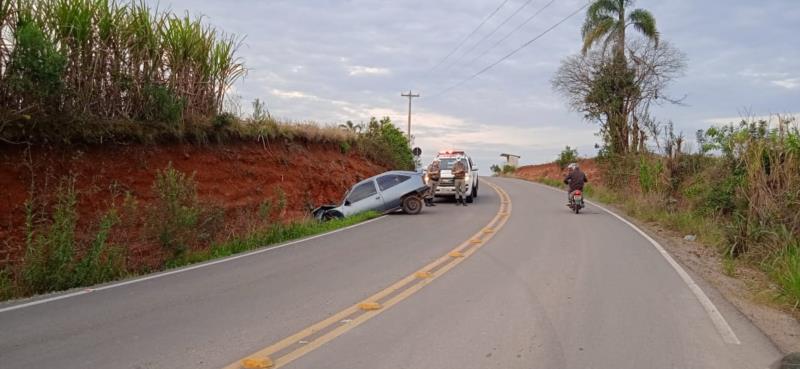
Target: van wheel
x,y
412,205
475,191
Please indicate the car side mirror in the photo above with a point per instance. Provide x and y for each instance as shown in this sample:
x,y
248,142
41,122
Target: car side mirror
x,y
346,202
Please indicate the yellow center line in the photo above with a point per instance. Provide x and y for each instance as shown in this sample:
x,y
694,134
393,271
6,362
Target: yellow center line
x,y
430,273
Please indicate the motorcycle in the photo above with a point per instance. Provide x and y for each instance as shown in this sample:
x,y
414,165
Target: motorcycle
x,y
576,203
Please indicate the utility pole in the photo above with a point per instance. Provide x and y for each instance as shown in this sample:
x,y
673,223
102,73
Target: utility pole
x,y
410,96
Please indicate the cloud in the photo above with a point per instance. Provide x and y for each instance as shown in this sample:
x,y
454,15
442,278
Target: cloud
x,y
772,119
292,94
310,72
780,79
788,83
358,70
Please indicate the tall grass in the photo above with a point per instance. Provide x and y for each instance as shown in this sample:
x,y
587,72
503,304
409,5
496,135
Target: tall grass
x,y
744,198
64,63
177,219
55,258
271,235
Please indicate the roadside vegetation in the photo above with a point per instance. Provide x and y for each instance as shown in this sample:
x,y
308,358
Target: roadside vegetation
x,y
110,72
738,192
187,229
567,157
103,70
80,73
504,170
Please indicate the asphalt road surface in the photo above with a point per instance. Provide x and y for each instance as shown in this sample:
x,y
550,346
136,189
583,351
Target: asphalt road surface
x,y
545,289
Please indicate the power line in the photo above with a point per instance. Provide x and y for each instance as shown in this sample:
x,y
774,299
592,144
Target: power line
x,y
490,66
469,35
511,33
491,33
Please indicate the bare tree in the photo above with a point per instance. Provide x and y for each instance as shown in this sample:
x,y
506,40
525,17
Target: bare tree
x,y
623,112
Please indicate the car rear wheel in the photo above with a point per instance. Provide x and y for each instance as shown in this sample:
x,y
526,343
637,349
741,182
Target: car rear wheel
x,y
412,205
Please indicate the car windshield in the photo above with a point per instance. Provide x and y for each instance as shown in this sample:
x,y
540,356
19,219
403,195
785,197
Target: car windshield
x,y
447,164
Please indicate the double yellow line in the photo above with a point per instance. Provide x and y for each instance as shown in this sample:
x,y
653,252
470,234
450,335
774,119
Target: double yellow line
x,y
310,338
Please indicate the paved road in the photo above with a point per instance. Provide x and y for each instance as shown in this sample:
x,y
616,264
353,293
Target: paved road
x,y
549,290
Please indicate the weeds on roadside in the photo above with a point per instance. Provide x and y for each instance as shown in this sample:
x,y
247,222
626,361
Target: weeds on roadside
x,y
786,271
50,253
102,262
177,219
53,259
281,202
729,266
7,285
271,235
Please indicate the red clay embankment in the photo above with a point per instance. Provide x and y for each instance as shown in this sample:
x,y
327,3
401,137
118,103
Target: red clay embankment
x,y
236,177
552,171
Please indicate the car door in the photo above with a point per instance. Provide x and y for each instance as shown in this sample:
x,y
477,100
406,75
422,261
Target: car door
x,y
474,173
391,190
363,197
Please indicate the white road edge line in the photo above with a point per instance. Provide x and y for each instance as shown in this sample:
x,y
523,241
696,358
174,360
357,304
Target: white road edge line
x,y
88,290
719,321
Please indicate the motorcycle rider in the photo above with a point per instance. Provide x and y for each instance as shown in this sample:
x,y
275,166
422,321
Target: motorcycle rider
x,y
434,174
575,179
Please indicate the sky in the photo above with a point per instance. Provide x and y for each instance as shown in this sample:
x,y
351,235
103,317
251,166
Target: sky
x,y
331,61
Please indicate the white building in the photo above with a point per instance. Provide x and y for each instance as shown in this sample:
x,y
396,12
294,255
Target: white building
x,y
512,160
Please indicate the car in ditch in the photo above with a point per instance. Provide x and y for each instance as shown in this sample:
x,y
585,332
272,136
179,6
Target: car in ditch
x,y
385,193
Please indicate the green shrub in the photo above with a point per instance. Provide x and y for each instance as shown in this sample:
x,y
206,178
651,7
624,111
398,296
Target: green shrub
x,y
52,262
102,262
509,169
344,147
786,271
649,173
7,285
35,67
223,120
386,144
265,209
49,259
566,157
163,105
176,218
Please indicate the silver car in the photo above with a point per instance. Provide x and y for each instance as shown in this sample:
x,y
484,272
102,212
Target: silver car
x,y
385,193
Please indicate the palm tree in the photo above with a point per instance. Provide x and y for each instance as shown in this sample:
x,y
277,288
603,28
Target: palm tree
x,y
606,21
350,126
